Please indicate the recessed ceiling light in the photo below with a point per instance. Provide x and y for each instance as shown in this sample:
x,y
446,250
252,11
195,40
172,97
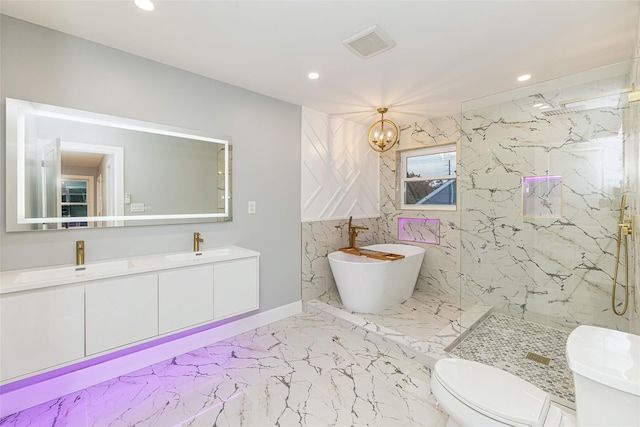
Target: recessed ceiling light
x,y
145,5
524,77
313,76
539,104
545,106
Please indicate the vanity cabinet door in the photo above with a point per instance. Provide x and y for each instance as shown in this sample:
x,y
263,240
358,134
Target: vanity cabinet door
x,y
235,287
40,329
186,297
120,311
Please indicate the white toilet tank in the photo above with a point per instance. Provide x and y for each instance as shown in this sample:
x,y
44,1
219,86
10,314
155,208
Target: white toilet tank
x,y
606,371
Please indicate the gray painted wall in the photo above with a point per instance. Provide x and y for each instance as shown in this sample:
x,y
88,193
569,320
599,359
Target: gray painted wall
x,y
42,65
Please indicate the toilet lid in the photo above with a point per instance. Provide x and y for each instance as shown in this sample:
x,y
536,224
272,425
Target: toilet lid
x,y
493,392
608,357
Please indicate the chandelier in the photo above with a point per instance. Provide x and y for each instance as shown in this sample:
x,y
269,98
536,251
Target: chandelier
x,y
383,134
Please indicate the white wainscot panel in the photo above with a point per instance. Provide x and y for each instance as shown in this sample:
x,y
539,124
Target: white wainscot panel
x,y
235,285
120,312
340,173
185,297
40,329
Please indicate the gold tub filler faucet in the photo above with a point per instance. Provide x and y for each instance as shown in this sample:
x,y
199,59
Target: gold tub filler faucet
x,y
353,232
197,239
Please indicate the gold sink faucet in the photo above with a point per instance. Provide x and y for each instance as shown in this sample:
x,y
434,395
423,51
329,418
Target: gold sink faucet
x,y
196,242
80,252
353,232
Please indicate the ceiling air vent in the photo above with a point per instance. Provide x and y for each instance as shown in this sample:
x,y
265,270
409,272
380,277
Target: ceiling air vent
x,y
369,42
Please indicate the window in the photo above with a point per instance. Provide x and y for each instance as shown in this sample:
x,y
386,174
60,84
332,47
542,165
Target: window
x,y
427,178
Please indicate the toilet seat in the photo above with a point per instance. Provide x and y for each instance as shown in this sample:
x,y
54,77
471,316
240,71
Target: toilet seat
x,y
493,392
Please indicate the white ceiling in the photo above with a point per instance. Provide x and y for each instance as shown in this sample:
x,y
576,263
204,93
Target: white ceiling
x,y
447,51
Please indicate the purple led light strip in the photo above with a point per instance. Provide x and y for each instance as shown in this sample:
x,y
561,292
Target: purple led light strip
x,y
6,388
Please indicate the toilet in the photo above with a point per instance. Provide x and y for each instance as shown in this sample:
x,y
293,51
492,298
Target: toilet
x,y
606,372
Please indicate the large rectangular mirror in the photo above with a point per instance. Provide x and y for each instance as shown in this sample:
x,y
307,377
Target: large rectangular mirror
x,y
70,169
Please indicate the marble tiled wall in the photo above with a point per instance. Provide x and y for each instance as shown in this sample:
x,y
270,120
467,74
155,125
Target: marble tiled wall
x,y
554,271
319,238
439,274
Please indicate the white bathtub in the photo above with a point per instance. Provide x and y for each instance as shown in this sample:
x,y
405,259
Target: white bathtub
x,y
369,285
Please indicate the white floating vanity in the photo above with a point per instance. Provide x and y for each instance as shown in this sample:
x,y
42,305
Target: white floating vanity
x,y
53,317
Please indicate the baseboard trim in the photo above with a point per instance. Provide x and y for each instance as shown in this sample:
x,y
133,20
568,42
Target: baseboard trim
x,y
35,393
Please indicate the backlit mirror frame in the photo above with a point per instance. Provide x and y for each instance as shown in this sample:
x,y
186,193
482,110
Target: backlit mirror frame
x,y
16,218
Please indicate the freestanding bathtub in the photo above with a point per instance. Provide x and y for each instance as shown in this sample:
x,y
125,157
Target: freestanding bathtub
x,y
369,285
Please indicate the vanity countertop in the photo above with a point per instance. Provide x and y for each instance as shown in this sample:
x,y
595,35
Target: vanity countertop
x,y
45,277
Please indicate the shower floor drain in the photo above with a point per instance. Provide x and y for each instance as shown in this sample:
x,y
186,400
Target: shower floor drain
x,y
538,358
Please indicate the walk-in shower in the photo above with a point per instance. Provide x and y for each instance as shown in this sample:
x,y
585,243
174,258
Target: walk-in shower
x,y
549,193
543,173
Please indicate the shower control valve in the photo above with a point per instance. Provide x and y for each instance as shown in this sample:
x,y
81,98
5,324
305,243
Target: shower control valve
x,y
628,227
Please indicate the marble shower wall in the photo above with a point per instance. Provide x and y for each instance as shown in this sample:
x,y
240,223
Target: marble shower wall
x,y
551,270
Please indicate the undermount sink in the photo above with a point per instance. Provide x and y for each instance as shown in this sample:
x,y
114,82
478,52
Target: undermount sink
x,y
197,256
73,271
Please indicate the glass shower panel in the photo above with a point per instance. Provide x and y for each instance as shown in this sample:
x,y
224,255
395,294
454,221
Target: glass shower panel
x,y
541,178
631,134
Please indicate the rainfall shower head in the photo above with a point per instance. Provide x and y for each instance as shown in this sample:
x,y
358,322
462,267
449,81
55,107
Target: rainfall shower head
x,y
605,100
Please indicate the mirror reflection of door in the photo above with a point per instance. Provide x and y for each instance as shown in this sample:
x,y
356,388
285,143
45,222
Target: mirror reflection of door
x,y
80,171
48,189
76,199
88,166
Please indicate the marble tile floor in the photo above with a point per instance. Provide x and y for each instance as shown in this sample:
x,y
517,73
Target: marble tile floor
x,y
421,328
426,328
422,316
305,370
